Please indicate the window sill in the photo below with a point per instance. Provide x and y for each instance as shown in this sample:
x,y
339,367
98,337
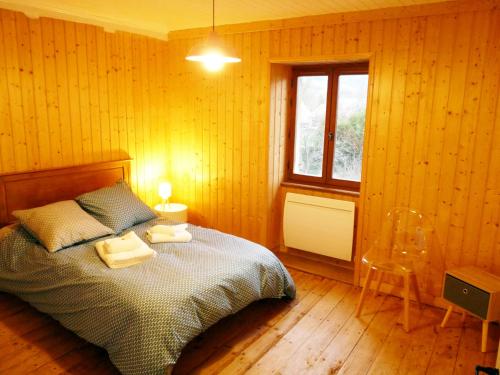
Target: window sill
x,y
326,189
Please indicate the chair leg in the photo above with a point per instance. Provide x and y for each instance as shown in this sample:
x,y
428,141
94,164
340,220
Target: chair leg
x,y
406,292
368,280
379,282
417,292
447,316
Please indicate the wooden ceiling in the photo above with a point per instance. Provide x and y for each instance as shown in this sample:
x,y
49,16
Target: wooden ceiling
x,y
157,17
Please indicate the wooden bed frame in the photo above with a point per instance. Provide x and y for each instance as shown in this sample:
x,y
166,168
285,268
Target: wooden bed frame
x,y
22,190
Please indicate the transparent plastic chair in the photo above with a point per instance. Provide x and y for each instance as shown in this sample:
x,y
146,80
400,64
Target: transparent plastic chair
x,y
402,249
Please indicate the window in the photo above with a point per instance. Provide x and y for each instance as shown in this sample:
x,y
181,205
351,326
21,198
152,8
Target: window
x,y
328,122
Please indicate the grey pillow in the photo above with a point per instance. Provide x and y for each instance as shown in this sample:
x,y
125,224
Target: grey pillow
x,y
117,207
60,224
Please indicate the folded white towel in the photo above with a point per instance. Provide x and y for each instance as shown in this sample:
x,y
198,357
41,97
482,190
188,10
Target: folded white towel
x,y
168,229
181,236
128,242
127,258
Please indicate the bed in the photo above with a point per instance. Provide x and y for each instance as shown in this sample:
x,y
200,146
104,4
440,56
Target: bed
x,y
143,315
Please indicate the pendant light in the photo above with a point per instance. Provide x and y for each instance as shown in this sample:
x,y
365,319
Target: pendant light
x,y
212,53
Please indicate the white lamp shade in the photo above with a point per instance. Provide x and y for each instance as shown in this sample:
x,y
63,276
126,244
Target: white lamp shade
x,y
212,53
165,190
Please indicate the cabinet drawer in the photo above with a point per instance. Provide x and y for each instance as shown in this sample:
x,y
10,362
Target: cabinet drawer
x,y
467,296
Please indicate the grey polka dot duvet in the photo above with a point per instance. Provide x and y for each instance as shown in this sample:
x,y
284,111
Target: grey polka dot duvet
x,y
143,315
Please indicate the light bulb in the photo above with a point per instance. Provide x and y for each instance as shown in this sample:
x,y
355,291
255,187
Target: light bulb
x,y
165,190
213,62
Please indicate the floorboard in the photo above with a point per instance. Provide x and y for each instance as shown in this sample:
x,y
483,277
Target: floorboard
x,y
316,333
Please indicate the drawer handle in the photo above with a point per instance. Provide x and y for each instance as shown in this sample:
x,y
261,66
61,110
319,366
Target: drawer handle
x,y
465,291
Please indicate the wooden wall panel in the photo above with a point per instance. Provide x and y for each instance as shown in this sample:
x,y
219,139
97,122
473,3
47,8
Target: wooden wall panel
x,y
219,135
432,122
280,89
73,94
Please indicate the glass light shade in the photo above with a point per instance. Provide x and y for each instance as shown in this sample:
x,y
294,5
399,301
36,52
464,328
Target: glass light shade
x,y
165,190
212,53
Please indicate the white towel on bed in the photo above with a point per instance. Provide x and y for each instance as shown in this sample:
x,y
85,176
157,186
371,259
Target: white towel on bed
x,y
180,236
128,242
125,258
168,229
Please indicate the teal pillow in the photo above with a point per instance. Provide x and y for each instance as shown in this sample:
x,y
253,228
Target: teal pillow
x,y
117,207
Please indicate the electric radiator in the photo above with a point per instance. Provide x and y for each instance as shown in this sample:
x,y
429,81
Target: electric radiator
x,y
319,225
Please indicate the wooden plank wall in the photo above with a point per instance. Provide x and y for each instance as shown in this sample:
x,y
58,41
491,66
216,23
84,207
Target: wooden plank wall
x,y
280,86
73,94
218,137
433,129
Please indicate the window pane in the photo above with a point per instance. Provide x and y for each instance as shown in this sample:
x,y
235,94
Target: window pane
x,y
312,92
351,110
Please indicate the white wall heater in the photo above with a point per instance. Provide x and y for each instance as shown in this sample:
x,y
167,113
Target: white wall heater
x,y
319,225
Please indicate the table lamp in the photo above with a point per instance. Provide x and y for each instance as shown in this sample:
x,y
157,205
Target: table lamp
x,y
165,192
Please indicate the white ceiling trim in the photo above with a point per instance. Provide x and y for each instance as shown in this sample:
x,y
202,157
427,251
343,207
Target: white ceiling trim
x,y
75,14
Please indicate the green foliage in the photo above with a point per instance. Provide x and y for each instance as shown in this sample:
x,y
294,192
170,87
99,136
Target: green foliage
x,y
311,148
349,146
310,128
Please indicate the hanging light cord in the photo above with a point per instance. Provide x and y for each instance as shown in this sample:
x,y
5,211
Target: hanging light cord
x,y
213,15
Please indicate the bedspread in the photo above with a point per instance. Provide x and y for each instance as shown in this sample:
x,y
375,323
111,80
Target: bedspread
x,y
143,315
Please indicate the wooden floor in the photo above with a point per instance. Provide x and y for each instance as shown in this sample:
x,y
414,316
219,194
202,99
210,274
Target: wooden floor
x,y
314,334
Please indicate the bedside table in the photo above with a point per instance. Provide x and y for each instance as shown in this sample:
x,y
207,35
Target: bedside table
x,y
172,211
474,291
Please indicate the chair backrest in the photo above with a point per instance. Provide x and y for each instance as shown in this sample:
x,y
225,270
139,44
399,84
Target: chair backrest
x,y
403,235
407,241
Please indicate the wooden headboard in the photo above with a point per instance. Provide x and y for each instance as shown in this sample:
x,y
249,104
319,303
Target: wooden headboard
x,y
32,189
